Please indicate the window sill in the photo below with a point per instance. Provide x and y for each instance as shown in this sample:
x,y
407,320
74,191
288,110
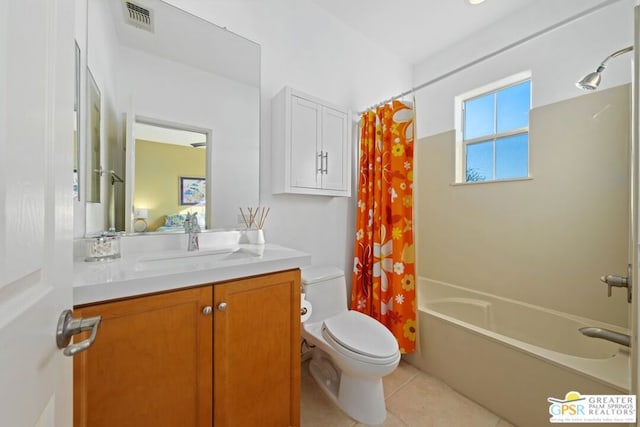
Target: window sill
x,y
494,181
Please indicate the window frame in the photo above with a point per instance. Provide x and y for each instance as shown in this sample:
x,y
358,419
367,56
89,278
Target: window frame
x,y
461,144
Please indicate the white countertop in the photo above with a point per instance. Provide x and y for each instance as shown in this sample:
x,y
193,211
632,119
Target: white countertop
x,y
149,272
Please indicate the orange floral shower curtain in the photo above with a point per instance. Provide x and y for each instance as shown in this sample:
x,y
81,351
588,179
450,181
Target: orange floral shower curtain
x,y
384,267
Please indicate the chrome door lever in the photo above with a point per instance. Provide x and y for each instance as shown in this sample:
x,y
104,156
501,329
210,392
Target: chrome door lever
x,y
68,326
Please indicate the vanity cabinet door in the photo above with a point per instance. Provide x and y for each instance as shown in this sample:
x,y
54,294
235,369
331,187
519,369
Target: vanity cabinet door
x,y
257,351
151,365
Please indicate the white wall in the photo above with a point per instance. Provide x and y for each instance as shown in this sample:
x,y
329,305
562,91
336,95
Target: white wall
x,y
556,59
304,47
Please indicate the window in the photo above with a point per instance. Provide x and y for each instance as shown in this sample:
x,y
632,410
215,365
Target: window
x,y
492,123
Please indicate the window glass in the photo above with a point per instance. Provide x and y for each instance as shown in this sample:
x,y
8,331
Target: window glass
x,y
513,107
479,117
512,156
493,142
479,161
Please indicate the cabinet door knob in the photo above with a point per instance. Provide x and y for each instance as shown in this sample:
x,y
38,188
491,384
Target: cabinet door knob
x,y
207,310
222,306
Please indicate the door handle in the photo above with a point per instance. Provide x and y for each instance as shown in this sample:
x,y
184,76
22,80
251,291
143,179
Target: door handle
x,y
325,167
68,326
319,157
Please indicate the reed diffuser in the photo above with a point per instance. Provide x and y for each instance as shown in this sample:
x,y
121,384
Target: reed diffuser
x,y
255,217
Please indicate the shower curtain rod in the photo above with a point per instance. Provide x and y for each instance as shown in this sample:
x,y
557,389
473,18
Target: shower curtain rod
x,y
496,52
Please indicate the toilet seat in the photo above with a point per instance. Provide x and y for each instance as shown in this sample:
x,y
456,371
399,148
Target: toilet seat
x,y
360,337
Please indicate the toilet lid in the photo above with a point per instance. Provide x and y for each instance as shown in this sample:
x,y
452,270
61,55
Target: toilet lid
x,y
361,334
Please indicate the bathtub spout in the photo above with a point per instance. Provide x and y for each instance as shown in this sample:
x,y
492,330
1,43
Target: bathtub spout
x,y
608,335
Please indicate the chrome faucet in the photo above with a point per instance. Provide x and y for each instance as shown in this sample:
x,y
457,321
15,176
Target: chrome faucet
x,y
607,334
192,228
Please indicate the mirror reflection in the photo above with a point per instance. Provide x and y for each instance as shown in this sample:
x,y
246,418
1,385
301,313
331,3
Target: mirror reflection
x,y
176,71
170,177
94,169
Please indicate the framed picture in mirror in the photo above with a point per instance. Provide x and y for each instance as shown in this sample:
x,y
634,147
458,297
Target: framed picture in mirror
x,y
192,191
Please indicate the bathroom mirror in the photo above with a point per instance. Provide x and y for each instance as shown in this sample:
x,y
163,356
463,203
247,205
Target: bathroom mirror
x,y
76,126
157,64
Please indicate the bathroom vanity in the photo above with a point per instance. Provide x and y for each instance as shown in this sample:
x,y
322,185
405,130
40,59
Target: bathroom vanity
x,y
221,351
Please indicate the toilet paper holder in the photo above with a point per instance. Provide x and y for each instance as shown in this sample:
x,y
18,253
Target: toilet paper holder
x,y
305,308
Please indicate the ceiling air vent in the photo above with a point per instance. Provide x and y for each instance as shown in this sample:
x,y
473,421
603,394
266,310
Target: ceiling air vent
x,y
138,16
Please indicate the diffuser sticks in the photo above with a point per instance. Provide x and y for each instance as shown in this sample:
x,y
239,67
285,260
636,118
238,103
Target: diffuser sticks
x,y
255,216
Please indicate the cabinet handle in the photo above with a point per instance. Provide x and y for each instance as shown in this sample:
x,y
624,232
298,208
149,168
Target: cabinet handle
x,y
222,306
325,169
207,310
320,157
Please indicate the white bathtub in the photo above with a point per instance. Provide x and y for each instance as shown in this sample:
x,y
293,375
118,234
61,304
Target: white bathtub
x,y
511,356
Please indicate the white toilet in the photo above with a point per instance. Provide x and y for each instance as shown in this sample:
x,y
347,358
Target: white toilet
x,y
352,351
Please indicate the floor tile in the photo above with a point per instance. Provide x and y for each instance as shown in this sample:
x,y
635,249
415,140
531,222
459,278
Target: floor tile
x,y
427,402
413,399
398,378
391,421
316,409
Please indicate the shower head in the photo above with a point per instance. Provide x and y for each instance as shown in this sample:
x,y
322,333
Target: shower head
x,y
592,80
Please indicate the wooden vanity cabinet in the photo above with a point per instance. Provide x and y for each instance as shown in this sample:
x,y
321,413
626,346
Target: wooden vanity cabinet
x,y
150,364
166,360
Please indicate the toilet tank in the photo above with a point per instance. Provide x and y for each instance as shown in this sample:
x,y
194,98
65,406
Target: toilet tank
x,y
326,290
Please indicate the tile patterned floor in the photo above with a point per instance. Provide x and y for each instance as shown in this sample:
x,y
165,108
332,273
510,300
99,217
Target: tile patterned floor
x,y
413,398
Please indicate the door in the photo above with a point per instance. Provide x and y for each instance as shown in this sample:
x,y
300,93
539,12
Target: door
x,y
633,241
36,211
130,164
335,145
256,351
306,157
151,364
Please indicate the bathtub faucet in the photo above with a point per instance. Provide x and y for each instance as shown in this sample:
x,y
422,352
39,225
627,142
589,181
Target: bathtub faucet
x,y
619,282
606,334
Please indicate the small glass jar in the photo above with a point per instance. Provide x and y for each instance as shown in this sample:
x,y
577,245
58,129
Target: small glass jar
x,y
103,247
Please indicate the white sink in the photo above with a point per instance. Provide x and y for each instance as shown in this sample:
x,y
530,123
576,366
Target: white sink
x,y
177,259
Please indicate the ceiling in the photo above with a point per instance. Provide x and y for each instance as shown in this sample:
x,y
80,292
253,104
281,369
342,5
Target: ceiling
x,y
167,135
416,29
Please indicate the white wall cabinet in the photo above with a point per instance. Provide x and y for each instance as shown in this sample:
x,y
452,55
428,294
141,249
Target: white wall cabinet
x,y
311,146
